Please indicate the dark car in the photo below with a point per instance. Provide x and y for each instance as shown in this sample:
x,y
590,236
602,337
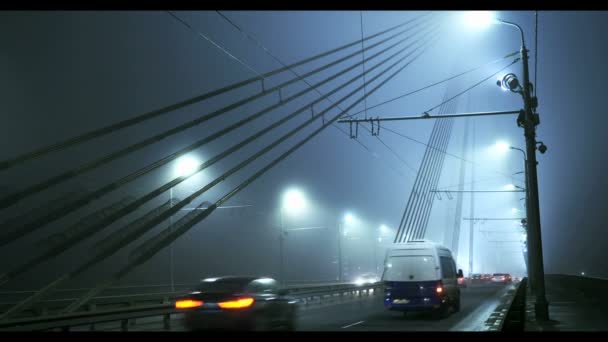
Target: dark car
x,y
238,303
501,278
476,278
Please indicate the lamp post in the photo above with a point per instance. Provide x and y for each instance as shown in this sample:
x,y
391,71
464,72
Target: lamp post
x,y
528,208
348,219
294,201
528,119
184,166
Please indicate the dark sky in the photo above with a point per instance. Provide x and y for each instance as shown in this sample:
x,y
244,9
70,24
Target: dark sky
x,y
64,73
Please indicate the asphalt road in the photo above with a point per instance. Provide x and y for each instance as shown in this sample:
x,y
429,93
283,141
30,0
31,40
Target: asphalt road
x,y
477,302
370,315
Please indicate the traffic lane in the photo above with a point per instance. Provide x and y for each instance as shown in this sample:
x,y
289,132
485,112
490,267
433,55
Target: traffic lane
x,y
370,315
364,314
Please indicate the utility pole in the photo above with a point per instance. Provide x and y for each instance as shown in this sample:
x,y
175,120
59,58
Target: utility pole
x,y
529,119
171,271
472,209
281,256
528,208
340,251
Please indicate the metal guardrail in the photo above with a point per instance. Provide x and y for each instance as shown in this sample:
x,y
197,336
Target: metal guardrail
x,y
142,296
509,315
516,314
307,295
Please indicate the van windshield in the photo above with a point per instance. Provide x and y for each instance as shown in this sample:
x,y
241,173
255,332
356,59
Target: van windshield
x,y
410,268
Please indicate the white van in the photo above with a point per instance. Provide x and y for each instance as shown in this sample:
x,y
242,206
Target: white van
x,y
421,275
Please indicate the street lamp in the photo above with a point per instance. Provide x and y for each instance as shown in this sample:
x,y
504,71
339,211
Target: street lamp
x,y
348,218
294,202
184,166
501,146
528,119
383,230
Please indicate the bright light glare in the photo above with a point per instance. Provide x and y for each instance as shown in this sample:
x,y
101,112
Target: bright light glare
x,y
582,273
478,19
186,166
294,201
509,187
349,218
501,146
383,229
513,210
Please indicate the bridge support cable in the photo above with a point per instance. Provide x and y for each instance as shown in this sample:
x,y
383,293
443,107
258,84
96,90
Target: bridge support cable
x,y
143,227
459,199
167,213
401,230
413,199
67,175
6,238
430,197
415,227
188,223
106,248
6,164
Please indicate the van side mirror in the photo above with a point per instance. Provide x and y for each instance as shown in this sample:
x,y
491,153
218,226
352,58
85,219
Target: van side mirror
x,y
460,274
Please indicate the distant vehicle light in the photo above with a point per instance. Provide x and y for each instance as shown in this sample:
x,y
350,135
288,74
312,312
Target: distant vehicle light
x,y
188,303
439,289
240,303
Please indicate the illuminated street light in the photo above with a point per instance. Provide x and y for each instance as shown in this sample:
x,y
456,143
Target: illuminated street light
x,y
383,229
501,146
509,187
479,19
294,201
349,218
186,166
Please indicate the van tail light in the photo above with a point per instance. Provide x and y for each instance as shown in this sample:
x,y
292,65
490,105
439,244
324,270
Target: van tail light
x,y
240,303
439,288
188,304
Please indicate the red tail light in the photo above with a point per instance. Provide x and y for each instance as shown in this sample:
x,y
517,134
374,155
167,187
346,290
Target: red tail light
x,y
439,288
240,303
188,303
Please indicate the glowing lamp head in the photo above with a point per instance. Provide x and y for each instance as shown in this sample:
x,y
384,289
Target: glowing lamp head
x,y
501,146
478,19
186,166
349,218
294,201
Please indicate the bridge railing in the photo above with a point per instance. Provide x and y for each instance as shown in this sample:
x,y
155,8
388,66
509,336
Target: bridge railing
x,y
509,314
307,296
115,297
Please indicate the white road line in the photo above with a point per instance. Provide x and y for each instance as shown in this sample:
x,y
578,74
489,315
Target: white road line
x,y
350,325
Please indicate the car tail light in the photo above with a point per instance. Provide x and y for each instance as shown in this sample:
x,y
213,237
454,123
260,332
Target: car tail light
x,y
188,303
240,303
439,288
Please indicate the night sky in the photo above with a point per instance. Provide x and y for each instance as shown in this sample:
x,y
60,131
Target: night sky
x,y
65,73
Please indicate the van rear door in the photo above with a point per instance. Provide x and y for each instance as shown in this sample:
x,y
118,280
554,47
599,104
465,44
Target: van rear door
x,y
411,276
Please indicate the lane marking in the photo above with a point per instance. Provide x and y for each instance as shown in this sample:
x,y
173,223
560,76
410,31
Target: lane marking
x,y
350,325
